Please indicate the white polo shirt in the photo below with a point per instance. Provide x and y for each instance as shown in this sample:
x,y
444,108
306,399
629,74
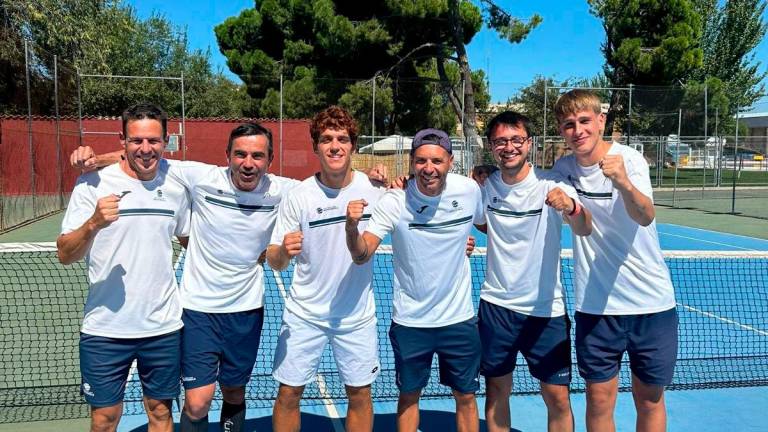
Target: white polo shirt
x,y
433,284
133,291
523,272
230,229
328,289
619,268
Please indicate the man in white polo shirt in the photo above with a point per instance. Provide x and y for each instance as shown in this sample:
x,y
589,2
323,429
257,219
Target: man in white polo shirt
x,y
330,300
521,302
625,301
121,220
430,222
222,288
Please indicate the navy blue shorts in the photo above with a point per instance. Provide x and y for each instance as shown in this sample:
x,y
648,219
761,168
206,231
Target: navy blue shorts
x,y
105,364
544,342
219,347
650,340
458,353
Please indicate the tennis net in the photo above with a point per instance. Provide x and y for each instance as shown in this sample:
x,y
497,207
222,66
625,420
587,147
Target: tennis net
x,y
722,300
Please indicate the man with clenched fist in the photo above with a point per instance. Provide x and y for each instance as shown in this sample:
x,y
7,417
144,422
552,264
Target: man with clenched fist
x,y
625,301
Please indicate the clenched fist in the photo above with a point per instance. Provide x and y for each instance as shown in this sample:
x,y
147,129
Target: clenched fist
x,y
560,201
355,211
106,211
292,243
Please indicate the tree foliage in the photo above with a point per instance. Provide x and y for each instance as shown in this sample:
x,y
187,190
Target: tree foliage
x,y
105,37
730,34
336,51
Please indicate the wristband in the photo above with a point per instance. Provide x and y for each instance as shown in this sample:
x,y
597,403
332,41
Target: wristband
x,y
576,208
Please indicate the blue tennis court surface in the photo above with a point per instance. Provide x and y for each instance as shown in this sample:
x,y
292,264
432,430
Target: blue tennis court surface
x,y
721,321
678,237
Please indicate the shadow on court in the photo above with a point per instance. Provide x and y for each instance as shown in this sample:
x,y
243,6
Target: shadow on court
x,y
431,421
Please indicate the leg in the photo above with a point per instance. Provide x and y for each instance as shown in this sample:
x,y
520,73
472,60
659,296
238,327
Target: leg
x,y
601,401
559,414
408,411
467,419
233,409
360,410
497,415
158,414
197,403
649,403
105,419
286,416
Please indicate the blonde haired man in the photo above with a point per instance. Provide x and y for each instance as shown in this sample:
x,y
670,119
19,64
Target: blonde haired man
x,y
624,296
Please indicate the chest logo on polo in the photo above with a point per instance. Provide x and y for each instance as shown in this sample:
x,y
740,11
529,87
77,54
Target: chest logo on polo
x,y
321,210
159,196
226,193
455,207
421,210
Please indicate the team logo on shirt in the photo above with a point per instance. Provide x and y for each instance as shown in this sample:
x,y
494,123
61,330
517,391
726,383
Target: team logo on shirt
x,y
321,210
495,200
227,193
421,210
456,206
159,195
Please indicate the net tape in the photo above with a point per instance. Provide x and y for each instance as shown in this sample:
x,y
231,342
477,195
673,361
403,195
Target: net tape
x,y
722,300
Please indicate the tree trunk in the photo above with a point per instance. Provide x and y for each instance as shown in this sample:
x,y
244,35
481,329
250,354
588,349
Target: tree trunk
x,y
468,126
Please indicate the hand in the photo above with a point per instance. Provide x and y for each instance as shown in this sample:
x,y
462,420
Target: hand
x,y
292,243
399,183
262,258
106,211
470,245
613,168
355,211
560,201
84,159
379,173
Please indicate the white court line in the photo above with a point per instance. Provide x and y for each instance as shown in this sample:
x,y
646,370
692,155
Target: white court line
x,y
718,232
330,408
707,241
726,320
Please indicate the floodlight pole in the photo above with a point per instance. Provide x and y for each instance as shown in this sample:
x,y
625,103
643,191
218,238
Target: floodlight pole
x,y
59,187
735,154
281,120
544,138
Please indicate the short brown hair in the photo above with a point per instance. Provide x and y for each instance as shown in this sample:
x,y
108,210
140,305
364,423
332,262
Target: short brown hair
x,y
336,118
576,100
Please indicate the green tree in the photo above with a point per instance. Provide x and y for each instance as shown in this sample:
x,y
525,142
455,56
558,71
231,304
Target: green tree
x,y
412,50
730,33
648,43
105,37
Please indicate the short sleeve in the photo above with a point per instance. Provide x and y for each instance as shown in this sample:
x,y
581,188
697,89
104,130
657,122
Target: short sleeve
x,y
288,219
81,205
184,221
479,214
639,174
189,173
386,213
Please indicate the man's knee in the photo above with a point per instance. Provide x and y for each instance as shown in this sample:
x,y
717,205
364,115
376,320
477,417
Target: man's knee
x,y
105,419
158,411
648,397
359,396
556,397
464,399
289,397
233,395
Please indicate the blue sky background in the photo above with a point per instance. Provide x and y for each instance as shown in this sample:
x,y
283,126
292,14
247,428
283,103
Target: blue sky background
x,y
566,44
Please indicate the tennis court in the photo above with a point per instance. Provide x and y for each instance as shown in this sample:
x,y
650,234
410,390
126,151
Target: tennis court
x,y
722,292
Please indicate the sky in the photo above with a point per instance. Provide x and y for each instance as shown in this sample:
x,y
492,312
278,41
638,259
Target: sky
x,y
565,45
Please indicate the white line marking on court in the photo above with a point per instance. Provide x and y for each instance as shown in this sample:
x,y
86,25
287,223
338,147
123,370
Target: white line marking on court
x,y
330,408
333,413
717,232
726,320
707,241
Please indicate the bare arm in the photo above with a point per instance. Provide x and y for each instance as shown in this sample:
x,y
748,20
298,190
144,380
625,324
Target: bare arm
x,y
638,205
361,246
74,245
574,213
278,256
85,159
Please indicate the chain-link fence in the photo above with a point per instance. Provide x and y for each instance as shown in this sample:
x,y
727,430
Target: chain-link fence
x,y
32,183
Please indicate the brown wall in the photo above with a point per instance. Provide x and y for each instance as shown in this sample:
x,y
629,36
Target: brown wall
x,y
206,142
